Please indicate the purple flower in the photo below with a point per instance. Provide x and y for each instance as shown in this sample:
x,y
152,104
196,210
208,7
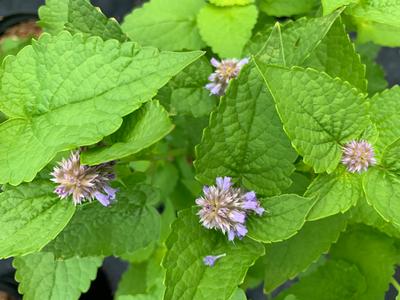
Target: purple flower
x,y
84,182
225,208
225,70
358,156
210,260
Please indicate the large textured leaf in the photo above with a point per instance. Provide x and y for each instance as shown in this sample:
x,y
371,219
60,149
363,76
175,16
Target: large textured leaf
x,y
319,113
382,185
245,139
85,18
375,256
41,277
126,226
31,216
336,280
187,276
285,215
286,259
66,91
138,131
335,193
227,29
336,56
187,92
281,8
53,15
384,114
169,25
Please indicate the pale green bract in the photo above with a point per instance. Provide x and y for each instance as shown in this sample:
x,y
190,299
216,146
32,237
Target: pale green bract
x,y
42,277
66,91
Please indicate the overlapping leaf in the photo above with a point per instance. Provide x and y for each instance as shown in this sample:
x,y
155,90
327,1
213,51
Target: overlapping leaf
x,y
42,277
283,8
285,215
335,193
66,91
138,131
126,226
227,29
31,216
187,276
286,259
169,25
319,113
245,139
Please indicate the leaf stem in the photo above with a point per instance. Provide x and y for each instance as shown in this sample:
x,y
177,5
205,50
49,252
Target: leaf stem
x,y
395,284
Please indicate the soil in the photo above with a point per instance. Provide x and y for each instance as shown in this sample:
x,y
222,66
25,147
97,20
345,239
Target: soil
x,y
23,30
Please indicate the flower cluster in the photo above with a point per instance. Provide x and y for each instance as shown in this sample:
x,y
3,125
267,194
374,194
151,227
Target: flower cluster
x,y
358,156
225,208
84,182
225,71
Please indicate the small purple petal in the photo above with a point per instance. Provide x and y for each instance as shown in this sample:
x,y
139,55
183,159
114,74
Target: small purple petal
x,y
241,230
103,199
215,62
237,216
224,183
250,196
110,191
216,90
210,260
231,235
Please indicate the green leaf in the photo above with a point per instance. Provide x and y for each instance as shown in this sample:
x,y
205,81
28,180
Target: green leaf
x,y
53,16
245,139
335,280
231,2
188,92
138,131
227,29
187,276
375,74
169,25
31,216
287,259
126,226
42,277
85,18
319,113
143,281
382,189
63,98
239,294
284,216
366,214
331,5
335,193
12,45
375,256
383,113
336,56
382,34
282,8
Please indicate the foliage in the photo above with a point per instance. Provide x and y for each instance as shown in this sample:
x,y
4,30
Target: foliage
x,y
132,97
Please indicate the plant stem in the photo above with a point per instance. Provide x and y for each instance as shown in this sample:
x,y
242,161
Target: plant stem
x,y
395,284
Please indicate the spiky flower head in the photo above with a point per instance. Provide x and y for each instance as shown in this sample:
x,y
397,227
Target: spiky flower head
x,y
225,208
210,260
358,156
226,69
84,182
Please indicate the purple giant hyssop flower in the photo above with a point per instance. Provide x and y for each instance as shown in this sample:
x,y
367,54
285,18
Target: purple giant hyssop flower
x,y
225,71
84,182
358,156
225,208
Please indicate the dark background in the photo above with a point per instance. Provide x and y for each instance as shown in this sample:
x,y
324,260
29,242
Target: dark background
x,y
11,12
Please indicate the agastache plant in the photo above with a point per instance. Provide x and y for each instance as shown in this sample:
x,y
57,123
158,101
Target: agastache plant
x,y
225,71
84,183
358,156
225,208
